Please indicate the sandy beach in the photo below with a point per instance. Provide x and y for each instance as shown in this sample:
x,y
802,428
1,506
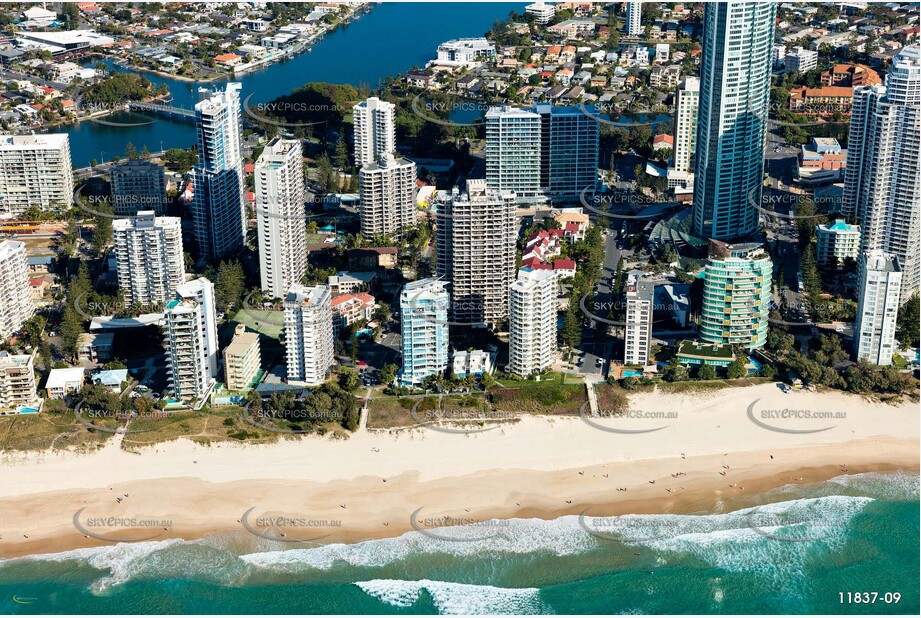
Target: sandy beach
x,y
703,451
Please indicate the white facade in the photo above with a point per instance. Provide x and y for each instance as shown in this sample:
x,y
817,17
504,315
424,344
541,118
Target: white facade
x,y
35,170
191,338
219,202
138,185
882,181
878,307
687,103
17,381
387,190
634,18
465,52
835,242
638,321
280,210
15,300
532,322
735,73
148,257
424,331
375,130
543,12
308,334
475,239
801,59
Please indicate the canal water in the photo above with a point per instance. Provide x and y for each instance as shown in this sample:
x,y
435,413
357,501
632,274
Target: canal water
x,y
392,38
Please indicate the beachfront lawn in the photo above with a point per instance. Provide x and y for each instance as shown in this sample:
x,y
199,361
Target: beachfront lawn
x,y
544,397
612,399
388,412
27,432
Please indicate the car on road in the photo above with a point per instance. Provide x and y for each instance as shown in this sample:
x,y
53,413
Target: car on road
x,y
599,362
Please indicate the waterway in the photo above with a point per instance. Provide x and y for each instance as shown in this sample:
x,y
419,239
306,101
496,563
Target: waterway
x,y
392,38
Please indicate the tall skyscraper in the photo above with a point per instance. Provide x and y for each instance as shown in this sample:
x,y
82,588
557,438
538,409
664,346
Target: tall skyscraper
x,y
15,301
475,239
309,333
513,151
375,130
687,103
35,170
735,77
568,151
148,257
737,295
877,307
638,320
532,322
424,330
280,209
387,190
634,18
138,185
218,204
881,182
191,339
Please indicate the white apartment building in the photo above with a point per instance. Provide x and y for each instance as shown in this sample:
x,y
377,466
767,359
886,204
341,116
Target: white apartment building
x,y
280,210
191,338
543,12
801,59
634,18
836,242
687,102
882,180
475,238
15,300
877,308
149,257
387,190
218,204
465,52
308,334
138,185
17,382
242,359
375,130
513,151
424,331
638,321
532,322
35,170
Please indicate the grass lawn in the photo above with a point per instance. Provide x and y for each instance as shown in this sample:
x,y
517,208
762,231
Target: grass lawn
x,y
544,397
387,412
268,323
611,399
26,432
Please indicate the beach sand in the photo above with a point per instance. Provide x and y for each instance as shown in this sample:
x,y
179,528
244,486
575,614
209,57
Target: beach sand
x,y
710,456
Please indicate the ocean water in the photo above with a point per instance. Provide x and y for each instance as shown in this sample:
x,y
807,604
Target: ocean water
x,y
789,551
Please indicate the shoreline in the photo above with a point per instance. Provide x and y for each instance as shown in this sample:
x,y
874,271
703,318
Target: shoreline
x,y
388,519
713,457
